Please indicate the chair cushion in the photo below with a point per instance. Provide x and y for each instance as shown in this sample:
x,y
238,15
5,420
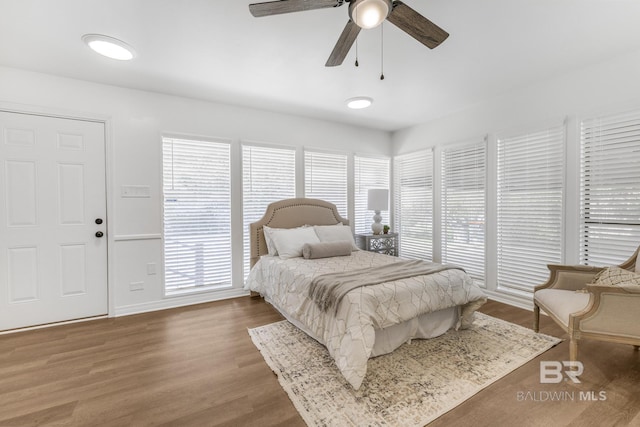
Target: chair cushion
x,y
561,303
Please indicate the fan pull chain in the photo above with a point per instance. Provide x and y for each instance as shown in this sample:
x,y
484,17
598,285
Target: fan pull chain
x,y
357,40
382,51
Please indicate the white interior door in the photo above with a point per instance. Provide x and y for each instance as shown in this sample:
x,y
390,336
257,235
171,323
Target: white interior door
x,y
53,265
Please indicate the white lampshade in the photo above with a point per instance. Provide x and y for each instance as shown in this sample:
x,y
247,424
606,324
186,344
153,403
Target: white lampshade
x,y
378,199
369,13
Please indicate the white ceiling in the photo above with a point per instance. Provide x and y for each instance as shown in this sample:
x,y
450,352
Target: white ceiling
x,y
215,50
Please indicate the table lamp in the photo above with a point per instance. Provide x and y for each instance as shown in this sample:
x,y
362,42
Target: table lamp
x,y
377,200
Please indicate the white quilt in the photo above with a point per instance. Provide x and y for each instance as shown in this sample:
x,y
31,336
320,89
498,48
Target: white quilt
x,y
349,333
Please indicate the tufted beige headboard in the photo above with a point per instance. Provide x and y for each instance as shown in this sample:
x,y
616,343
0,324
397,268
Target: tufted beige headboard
x,y
291,213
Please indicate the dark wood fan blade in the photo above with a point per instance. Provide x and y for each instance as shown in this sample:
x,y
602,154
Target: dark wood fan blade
x,y
342,47
416,25
287,6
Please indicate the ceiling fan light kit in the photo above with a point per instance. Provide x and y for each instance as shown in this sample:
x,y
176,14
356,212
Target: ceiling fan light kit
x,y
369,14
363,14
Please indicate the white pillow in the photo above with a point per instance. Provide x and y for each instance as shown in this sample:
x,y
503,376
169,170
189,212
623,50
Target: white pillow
x,y
289,242
271,247
613,276
335,233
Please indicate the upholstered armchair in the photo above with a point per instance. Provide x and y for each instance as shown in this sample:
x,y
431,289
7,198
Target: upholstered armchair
x,y
590,311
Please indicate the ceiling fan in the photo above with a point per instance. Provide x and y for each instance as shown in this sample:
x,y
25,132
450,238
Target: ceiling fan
x,y
363,14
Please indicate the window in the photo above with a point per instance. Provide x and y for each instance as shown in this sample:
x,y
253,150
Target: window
x,y
463,207
197,215
268,175
530,203
413,192
325,177
369,173
609,188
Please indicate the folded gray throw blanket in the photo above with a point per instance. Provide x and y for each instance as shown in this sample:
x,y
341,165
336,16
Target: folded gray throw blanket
x,y
327,290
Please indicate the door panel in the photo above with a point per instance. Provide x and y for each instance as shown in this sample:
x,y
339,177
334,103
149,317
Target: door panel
x,y
52,188
22,274
71,194
21,193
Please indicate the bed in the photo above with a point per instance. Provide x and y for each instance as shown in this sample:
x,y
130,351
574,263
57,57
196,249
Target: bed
x,y
369,320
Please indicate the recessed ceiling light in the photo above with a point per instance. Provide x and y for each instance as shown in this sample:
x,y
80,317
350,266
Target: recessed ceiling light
x,y
109,47
359,102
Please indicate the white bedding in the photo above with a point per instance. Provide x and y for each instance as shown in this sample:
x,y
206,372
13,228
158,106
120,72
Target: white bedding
x,y
349,334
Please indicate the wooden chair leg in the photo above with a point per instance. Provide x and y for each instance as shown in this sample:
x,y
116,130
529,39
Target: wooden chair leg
x,y
536,317
573,350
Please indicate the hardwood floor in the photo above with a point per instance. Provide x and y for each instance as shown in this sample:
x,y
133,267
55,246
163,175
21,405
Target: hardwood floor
x,y
197,366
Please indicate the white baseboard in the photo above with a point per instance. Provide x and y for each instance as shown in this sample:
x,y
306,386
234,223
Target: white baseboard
x,y
516,301
179,301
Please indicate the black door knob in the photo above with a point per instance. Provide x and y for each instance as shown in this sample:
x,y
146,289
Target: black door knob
x,y
99,234
98,221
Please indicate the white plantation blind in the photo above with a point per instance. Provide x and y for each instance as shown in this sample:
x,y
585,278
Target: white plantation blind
x,y
530,204
463,207
369,173
268,175
325,177
413,201
609,188
197,215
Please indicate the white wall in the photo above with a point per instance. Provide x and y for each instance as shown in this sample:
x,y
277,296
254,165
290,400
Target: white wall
x,y
137,121
610,85
602,88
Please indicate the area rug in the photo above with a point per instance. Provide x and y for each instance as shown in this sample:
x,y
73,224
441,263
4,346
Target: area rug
x,y
412,386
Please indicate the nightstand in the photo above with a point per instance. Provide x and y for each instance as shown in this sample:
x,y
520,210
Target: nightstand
x,y
381,243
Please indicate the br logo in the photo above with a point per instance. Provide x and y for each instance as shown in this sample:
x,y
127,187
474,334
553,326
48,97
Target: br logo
x,y
553,372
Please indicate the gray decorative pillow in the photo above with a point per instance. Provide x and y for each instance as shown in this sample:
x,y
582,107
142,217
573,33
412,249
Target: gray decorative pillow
x,y
326,249
615,276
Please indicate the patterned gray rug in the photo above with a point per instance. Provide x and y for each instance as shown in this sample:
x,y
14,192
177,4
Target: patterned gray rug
x,y
411,386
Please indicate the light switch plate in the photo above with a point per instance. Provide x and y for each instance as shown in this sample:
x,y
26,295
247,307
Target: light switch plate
x,y
151,268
